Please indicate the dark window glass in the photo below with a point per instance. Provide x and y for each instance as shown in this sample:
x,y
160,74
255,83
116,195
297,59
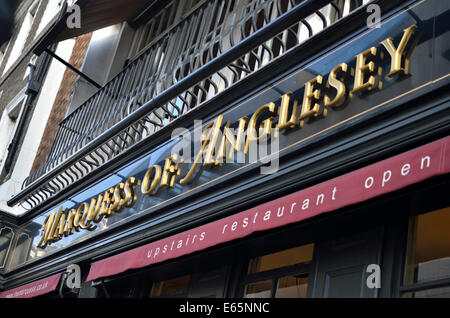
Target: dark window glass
x,y
283,274
259,290
300,254
292,286
171,287
428,253
427,271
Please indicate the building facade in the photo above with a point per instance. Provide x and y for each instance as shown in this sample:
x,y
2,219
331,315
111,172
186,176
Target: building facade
x,y
276,148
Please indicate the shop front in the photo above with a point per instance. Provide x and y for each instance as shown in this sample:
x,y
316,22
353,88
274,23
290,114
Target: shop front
x,y
330,179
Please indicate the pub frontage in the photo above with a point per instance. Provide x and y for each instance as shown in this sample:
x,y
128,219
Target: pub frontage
x,y
324,173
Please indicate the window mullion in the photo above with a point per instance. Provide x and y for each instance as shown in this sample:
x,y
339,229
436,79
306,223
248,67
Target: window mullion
x,y
274,287
445,282
302,268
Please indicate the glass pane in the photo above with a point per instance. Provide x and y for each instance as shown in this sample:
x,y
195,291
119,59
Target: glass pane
x,y
170,287
258,290
443,292
288,257
6,239
428,254
292,287
21,250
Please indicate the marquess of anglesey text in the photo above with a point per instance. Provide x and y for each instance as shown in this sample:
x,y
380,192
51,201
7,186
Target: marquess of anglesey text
x,y
217,144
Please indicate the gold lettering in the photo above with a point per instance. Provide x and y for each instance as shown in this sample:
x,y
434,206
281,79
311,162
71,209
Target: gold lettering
x,y
156,179
46,226
337,85
130,195
209,139
104,210
79,215
118,202
397,53
170,171
264,128
53,233
228,138
95,208
361,69
59,224
283,122
195,164
222,152
69,229
85,224
60,230
309,96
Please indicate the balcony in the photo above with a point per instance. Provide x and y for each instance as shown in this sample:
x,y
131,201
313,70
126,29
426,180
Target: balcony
x,y
215,45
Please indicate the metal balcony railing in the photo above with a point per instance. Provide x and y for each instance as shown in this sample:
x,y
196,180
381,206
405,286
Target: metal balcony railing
x,y
217,44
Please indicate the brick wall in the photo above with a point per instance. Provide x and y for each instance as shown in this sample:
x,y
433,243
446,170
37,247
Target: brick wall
x,y
62,100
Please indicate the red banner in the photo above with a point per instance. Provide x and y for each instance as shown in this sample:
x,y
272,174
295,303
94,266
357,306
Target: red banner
x,y
383,177
40,287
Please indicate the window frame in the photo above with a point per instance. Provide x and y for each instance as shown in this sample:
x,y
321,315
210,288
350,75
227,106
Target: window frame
x,y
304,268
23,32
184,294
417,286
12,113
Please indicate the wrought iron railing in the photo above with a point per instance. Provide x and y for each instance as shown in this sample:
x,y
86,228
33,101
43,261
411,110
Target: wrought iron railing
x,y
218,44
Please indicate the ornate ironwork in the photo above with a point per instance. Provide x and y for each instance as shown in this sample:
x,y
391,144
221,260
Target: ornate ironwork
x,y
199,44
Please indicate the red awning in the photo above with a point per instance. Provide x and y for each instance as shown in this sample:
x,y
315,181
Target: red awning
x,y
380,178
37,288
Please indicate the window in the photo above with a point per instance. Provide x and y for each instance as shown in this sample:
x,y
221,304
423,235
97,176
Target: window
x,y
6,239
50,12
283,274
176,287
125,287
22,36
427,271
292,286
262,289
8,123
21,250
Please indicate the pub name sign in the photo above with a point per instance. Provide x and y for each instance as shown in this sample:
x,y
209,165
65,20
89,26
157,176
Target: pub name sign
x,y
320,95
